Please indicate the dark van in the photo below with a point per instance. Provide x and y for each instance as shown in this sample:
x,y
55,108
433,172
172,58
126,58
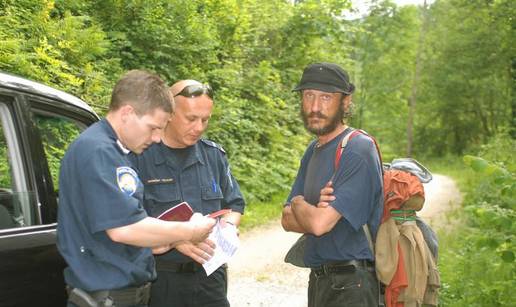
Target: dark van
x,y
37,123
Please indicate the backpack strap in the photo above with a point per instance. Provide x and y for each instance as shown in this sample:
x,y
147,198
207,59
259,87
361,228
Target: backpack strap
x,y
367,233
360,131
340,148
338,155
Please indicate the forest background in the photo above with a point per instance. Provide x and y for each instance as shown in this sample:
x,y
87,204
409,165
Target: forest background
x,y
433,82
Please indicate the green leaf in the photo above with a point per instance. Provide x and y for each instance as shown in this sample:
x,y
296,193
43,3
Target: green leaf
x,y
479,164
507,256
468,159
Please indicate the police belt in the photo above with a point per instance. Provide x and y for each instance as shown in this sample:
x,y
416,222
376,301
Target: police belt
x,y
348,266
185,267
129,296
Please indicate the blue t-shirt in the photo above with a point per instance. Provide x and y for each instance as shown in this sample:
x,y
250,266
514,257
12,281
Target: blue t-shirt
x,y
98,190
358,187
198,174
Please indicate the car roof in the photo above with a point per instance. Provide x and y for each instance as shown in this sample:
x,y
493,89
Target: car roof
x,y
32,87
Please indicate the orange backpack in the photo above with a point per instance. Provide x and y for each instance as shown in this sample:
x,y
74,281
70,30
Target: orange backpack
x,y
403,196
402,182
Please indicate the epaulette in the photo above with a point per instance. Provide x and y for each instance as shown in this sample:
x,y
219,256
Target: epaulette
x,y
213,144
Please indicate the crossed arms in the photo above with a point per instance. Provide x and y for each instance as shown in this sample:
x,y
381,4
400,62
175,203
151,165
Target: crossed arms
x,y
302,217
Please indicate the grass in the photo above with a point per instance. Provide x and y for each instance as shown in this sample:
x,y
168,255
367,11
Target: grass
x,y
472,270
257,214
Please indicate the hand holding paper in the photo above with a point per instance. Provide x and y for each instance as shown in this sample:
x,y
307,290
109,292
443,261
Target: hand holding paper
x,y
202,224
226,244
202,227
200,252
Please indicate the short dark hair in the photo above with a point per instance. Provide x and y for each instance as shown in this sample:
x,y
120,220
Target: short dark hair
x,y
144,91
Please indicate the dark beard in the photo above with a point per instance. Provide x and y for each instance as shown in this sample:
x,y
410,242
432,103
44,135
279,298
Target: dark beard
x,y
332,125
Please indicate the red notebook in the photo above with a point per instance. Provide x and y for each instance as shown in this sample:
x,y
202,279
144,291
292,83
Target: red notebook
x,y
179,213
183,212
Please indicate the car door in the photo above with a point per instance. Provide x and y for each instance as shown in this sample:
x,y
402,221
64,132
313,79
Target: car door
x,y
34,134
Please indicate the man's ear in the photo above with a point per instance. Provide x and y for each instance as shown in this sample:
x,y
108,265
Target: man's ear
x,y
346,101
125,112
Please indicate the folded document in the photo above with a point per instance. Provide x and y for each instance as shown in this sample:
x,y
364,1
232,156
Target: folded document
x,y
226,241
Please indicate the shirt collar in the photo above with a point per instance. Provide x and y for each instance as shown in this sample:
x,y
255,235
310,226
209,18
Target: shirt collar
x,y
122,147
112,135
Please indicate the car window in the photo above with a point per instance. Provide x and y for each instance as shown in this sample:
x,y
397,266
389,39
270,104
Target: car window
x,y
5,166
16,201
6,191
57,133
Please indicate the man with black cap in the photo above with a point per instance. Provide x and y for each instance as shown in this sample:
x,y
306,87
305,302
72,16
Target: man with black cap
x,y
335,194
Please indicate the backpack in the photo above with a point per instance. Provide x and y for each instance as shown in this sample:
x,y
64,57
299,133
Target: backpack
x,y
391,193
403,195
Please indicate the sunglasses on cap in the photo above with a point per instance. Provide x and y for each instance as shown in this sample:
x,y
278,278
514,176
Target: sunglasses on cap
x,y
196,90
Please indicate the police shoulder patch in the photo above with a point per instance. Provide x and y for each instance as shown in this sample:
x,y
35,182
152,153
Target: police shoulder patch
x,y
127,180
213,144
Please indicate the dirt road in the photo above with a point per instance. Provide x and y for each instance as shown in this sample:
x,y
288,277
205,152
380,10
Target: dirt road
x,y
259,277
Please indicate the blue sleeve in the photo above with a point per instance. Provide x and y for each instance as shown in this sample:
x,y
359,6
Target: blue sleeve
x,y
233,198
357,181
299,184
107,205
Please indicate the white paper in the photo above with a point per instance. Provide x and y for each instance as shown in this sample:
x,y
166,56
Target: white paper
x,y
227,243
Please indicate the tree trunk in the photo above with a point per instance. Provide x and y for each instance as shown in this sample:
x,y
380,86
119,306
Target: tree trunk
x,y
417,74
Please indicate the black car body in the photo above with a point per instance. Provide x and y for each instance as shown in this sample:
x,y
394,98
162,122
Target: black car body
x,y
37,123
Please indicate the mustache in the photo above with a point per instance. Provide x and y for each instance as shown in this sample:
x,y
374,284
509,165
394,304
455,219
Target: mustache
x,y
316,115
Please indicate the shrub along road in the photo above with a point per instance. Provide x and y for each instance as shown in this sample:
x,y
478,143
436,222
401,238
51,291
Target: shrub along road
x,y
259,277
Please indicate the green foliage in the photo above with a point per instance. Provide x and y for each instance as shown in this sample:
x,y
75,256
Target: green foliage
x,y
253,52
5,169
261,213
64,51
385,68
478,259
467,84
261,142
56,135
473,270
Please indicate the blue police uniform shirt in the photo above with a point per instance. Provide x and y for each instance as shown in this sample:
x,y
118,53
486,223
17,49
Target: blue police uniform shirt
x,y
358,187
199,174
98,190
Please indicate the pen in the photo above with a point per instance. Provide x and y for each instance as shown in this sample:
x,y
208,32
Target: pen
x,y
214,185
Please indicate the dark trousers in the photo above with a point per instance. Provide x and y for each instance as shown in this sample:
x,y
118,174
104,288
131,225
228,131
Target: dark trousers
x,y
355,287
190,289
70,304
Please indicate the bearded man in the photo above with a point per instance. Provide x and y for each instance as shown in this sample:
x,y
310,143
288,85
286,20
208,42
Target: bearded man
x,y
335,193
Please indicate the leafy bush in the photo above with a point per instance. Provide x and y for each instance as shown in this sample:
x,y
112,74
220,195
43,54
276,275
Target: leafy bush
x,y
478,259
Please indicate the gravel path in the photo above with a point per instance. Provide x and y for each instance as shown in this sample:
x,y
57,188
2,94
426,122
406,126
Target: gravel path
x,y
258,277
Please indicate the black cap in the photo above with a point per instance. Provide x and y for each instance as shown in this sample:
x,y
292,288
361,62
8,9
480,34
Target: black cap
x,y
326,77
